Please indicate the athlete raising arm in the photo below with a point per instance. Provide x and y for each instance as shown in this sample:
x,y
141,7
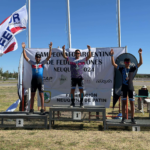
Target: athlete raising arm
x,y
115,65
127,83
77,64
37,76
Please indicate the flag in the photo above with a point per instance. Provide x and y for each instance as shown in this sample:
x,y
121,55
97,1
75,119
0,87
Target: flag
x,y
7,40
11,26
18,20
19,85
13,106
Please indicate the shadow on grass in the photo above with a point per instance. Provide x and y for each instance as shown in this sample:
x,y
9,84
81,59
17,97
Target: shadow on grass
x,y
114,128
77,127
127,129
14,128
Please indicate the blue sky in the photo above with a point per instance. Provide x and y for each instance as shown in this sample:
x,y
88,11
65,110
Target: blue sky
x,y
93,22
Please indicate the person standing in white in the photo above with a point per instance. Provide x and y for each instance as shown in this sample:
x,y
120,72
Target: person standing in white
x,y
77,64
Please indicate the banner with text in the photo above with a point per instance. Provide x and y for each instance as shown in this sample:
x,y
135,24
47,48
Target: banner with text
x,y
98,74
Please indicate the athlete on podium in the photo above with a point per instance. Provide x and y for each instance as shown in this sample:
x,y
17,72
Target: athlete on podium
x,y
127,83
37,76
77,64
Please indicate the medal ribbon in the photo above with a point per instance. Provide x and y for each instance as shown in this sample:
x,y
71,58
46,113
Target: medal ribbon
x,y
37,66
127,72
77,67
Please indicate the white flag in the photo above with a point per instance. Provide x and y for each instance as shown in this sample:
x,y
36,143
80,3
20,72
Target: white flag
x,y
13,106
12,25
18,20
7,40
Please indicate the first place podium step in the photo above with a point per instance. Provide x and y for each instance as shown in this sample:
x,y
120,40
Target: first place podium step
x,y
65,113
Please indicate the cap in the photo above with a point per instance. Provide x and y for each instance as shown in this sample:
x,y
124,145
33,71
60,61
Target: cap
x,y
144,86
38,55
127,59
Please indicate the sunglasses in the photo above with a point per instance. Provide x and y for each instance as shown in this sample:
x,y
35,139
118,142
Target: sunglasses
x,y
127,62
38,56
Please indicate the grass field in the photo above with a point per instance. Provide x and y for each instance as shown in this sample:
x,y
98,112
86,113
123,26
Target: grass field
x,y
71,135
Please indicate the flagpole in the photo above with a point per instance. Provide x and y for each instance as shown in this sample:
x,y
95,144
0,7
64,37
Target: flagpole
x,y
119,44
119,32
69,32
24,97
29,46
29,24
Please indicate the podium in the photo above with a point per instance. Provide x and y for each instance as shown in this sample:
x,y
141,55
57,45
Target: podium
x,y
23,120
76,114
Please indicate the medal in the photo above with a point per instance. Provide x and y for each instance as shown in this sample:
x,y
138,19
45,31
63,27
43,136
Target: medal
x,y
127,73
77,67
37,66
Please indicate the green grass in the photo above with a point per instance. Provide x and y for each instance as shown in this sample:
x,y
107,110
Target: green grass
x,y
8,95
8,82
71,135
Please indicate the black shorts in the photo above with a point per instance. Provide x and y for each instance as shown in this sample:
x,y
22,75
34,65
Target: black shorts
x,y
77,81
127,92
37,85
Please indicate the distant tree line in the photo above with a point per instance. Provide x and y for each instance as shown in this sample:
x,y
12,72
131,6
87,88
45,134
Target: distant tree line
x,y
7,74
142,76
14,74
